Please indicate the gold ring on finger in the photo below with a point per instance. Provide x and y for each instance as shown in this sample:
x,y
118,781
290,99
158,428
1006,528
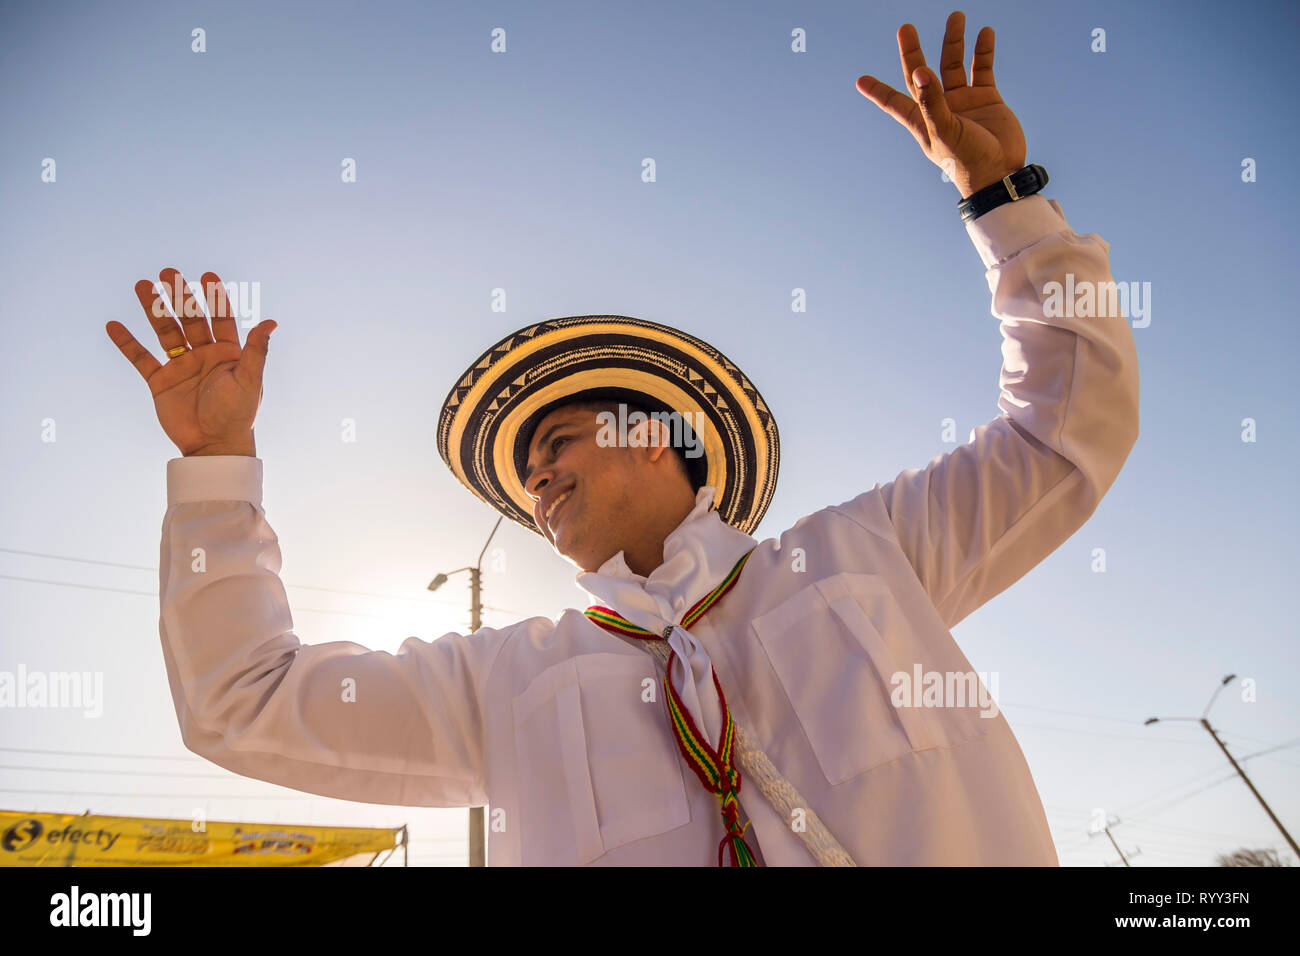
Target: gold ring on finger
x,y
179,350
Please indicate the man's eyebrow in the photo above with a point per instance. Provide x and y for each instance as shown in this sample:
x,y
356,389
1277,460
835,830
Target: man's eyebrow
x,y
541,443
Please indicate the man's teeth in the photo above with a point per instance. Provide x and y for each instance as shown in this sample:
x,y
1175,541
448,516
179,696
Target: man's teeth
x,y
555,504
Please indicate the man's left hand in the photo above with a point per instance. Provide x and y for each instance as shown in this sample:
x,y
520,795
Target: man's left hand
x,y
967,131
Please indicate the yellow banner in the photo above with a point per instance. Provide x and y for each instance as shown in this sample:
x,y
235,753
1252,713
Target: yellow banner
x,y
55,839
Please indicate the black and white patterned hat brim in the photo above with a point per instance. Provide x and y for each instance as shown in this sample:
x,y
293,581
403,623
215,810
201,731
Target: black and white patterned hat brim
x,y
503,394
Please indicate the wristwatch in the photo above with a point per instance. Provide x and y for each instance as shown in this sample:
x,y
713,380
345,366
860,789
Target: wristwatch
x,y
1023,182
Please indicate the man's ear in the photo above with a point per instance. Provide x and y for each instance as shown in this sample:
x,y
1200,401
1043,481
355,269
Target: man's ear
x,y
659,438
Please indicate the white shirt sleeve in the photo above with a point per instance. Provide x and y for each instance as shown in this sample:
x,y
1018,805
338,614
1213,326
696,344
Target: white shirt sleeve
x,y
334,719
977,519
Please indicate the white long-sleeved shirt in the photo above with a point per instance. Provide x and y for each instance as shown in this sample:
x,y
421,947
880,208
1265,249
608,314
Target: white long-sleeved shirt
x,y
546,721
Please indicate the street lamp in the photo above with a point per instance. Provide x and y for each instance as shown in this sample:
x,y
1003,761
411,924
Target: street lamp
x,y
477,834
1235,766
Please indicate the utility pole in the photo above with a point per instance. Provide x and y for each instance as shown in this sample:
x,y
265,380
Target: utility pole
x,y
477,835
1116,846
1235,766
1106,830
477,832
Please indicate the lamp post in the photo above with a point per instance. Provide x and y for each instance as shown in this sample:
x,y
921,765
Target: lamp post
x,y
477,833
1235,766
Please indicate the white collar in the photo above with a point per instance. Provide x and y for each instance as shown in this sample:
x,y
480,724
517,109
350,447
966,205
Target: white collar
x,y
698,554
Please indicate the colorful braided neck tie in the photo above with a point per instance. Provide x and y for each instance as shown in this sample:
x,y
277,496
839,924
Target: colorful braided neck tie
x,y
715,768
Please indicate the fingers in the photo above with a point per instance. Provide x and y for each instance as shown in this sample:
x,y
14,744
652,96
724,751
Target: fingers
x,y
188,309
900,107
926,114
223,319
951,70
910,55
981,69
136,353
252,360
155,309
934,108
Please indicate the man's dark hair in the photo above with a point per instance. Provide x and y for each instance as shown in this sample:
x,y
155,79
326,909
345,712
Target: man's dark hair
x,y
608,400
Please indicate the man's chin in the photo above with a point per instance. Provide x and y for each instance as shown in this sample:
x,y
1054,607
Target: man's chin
x,y
577,562
561,547
583,561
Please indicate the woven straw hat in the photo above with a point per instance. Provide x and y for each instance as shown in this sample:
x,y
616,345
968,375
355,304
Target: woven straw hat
x,y
491,411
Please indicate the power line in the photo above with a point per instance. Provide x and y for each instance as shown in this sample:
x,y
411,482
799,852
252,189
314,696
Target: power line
x,y
1141,821
155,796
97,771
144,567
1072,713
1256,740
154,594
1171,845
1087,846
1177,800
1098,733
89,753
1120,720
1133,808
1165,842
88,587
60,557
305,587
1194,779
1143,737
1260,753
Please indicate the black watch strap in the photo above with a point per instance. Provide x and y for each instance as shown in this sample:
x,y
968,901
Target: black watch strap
x,y
1023,182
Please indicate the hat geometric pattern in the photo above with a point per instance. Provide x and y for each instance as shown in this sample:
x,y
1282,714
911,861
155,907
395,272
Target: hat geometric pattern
x,y
501,395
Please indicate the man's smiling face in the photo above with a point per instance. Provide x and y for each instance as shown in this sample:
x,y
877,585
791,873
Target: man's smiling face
x,y
565,462
591,501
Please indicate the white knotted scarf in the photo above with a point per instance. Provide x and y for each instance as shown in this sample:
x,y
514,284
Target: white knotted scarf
x,y
698,555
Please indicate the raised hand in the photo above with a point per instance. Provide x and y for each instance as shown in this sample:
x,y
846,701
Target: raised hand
x,y
967,131
206,397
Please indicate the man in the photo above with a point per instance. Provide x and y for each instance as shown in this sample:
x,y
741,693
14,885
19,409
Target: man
x,y
722,700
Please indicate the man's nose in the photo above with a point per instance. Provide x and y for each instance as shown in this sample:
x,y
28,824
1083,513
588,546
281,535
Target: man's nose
x,y
533,487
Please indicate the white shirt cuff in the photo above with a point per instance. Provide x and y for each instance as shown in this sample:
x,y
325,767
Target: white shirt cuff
x,y
1014,226
214,478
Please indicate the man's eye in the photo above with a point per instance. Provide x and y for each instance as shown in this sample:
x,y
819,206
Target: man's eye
x,y
555,442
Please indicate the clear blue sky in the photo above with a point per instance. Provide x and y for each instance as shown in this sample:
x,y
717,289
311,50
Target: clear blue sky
x,y
521,171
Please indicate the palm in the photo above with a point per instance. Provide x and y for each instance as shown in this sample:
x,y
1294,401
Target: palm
x,y
207,396
987,130
198,395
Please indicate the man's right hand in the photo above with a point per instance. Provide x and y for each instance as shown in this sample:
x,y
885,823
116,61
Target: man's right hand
x,y
206,398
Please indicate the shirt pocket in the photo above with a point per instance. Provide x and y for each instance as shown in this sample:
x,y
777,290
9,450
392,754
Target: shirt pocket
x,y
828,648
597,764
